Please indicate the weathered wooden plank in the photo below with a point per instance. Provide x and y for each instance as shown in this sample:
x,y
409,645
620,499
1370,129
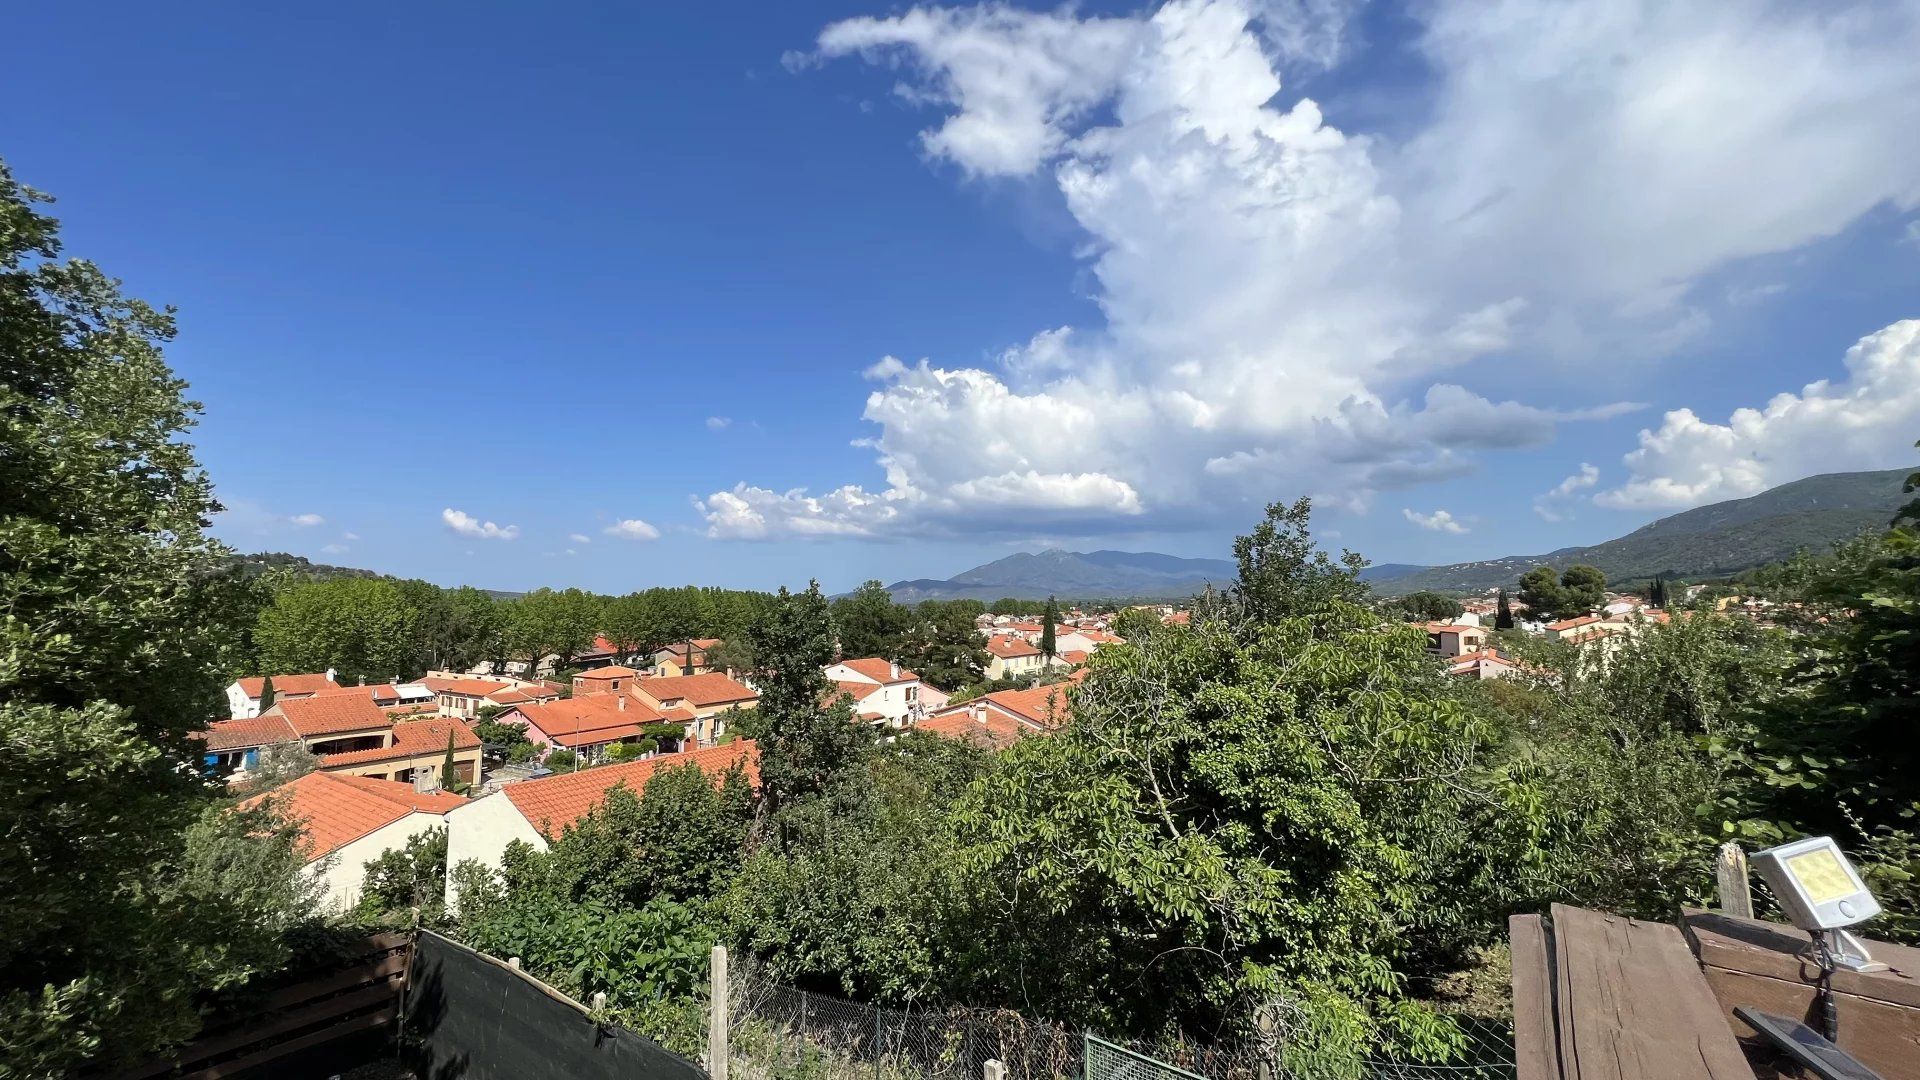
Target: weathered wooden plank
x,y
381,970
1536,1035
1637,1005
269,1026
293,1046
1779,951
1885,1037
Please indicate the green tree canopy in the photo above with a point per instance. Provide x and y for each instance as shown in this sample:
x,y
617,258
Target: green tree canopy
x,y
367,629
124,899
1282,572
805,746
868,623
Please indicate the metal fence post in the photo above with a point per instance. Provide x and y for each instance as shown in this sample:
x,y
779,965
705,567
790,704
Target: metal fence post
x,y
1736,892
717,1013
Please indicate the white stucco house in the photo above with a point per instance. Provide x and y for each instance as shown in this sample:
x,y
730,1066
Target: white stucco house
x,y
243,695
348,821
532,811
885,692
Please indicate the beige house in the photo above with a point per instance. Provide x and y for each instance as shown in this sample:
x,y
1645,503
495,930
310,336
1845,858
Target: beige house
x,y
709,697
348,821
349,733
1455,639
1012,657
683,658
532,811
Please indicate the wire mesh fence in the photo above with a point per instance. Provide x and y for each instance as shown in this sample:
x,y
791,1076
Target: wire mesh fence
x,y
779,1032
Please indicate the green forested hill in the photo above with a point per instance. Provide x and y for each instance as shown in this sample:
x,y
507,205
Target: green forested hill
x,y
1707,541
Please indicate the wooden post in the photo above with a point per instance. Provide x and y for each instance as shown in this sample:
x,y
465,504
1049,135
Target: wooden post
x,y
513,962
993,1070
1736,894
717,1013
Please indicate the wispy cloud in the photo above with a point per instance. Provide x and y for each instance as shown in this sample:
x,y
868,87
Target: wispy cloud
x,y
632,529
1549,504
307,520
715,423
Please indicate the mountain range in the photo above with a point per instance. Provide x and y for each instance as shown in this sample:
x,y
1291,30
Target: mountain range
x,y
1708,541
1082,575
1715,540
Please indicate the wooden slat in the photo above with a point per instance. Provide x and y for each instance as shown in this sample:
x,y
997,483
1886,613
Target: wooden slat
x,y
382,970
1536,1039
268,1027
1637,1004
1778,951
292,1046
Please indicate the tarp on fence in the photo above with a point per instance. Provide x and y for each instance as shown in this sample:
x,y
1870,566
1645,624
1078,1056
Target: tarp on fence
x,y
469,1015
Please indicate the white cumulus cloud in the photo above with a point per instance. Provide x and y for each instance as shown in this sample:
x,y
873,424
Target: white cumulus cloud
x,y
1280,297
632,529
580,538
1867,420
307,520
467,525
1438,521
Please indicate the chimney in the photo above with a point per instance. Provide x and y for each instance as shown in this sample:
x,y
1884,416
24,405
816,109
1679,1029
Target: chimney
x,y
623,702
893,669
330,674
426,782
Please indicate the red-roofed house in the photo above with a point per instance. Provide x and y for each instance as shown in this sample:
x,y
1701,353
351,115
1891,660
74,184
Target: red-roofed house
x,y
603,680
334,723
1454,639
1035,710
683,657
348,821
233,747
243,697
1482,664
709,697
885,692
589,724
465,695
532,811
1012,657
414,749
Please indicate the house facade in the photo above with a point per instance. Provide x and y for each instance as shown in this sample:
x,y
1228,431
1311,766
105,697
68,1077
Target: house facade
x,y
884,692
682,658
1012,657
708,697
591,724
348,821
533,811
243,695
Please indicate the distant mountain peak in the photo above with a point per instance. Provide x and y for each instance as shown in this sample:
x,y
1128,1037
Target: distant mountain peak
x,y
1072,575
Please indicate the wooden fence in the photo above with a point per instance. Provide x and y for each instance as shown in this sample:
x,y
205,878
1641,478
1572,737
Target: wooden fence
x,y
353,993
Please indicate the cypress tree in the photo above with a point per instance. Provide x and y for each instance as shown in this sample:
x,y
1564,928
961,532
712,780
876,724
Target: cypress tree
x,y
266,694
1503,613
1047,640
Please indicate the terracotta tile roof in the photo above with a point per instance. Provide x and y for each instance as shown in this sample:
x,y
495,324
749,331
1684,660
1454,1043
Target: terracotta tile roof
x,y
700,691
1451,628
880,671
553,803
258,731
1569,624
611,671
520,695
289,684
679,648
858,691
337,810
1076,656
469,687
411,738
594,718
601,647
332,714
1042,706
992,730
1009,648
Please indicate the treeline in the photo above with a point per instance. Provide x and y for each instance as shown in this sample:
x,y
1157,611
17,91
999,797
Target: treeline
x,y
378,629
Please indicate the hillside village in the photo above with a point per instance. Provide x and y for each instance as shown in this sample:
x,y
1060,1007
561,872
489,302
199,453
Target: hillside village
x,y
418,756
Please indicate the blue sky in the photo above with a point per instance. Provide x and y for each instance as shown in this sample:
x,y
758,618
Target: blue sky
x,y
562,269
